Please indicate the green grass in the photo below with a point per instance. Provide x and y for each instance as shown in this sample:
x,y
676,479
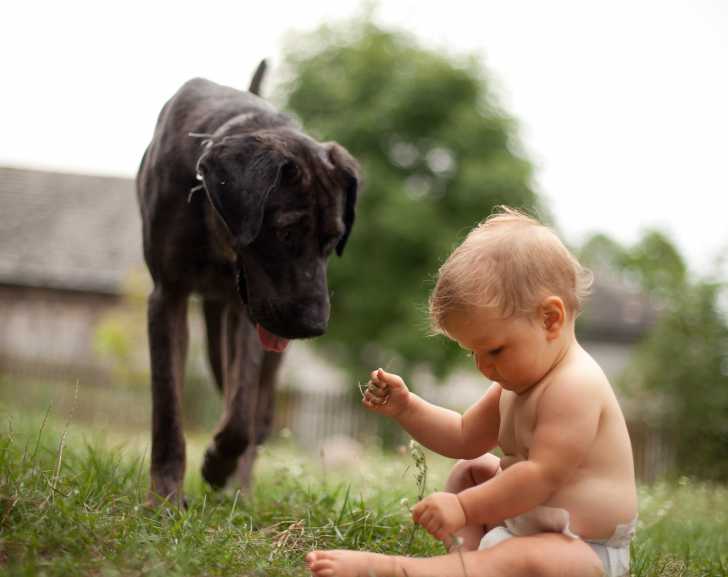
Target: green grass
x,y
72,503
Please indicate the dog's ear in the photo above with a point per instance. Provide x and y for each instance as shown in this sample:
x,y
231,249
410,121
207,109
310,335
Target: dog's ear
x,y
238,174
348,172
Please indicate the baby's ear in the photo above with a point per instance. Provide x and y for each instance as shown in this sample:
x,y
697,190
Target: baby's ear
x,y
552,315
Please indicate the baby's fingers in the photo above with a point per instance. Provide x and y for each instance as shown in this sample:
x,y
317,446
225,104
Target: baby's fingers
x,y
378,390
390,379
376,398
418,510
371,404
429,523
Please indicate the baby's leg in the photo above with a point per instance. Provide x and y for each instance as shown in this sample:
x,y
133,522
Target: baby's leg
x,y
466,474
543,555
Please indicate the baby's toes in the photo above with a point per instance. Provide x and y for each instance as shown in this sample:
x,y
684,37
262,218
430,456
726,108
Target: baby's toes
x,y
322,568
318,559
311,557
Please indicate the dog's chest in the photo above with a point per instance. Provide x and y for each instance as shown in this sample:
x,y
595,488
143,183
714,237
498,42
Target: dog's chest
x,y
212,268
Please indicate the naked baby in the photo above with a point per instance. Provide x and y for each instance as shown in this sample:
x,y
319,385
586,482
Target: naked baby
x,y
562,500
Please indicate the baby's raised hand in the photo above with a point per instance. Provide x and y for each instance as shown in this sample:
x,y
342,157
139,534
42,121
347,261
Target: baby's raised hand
x,y
386,394
441,515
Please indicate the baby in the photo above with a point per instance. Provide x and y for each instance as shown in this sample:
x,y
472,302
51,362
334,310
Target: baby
x,y
562,499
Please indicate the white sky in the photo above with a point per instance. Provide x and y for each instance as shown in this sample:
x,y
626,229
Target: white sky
x,y
623,105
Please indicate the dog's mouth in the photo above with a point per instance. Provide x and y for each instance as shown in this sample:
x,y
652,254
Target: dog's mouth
x,y
271,342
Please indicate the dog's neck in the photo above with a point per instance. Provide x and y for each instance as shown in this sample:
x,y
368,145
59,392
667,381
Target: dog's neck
x,y
221,240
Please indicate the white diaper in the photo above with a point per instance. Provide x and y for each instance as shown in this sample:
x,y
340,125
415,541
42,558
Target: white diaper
x,y
613,552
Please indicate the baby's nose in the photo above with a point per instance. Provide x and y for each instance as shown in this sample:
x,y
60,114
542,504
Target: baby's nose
x,y
482,362
485,365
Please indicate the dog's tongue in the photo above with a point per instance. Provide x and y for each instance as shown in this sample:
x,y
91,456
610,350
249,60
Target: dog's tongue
x,y
270,341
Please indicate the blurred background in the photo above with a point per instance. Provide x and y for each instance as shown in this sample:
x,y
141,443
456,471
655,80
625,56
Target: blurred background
x,y
606,120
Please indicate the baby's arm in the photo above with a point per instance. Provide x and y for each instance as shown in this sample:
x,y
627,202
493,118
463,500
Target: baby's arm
x,y
566,425
444,431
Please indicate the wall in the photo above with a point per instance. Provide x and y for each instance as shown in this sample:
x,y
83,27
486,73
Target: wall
x,y
45,331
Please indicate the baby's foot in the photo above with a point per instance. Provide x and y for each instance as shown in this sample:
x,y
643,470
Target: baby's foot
x,y
351,564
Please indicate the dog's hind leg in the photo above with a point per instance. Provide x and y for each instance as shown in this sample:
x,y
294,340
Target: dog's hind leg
x,y
241,358
266,395
168,338
214,311
263,416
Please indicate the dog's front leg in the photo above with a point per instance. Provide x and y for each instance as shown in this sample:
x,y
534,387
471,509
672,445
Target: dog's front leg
x,y
241,355
241,358
168,337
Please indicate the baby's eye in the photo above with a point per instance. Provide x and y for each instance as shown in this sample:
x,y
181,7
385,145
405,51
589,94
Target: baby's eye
x,y
496,351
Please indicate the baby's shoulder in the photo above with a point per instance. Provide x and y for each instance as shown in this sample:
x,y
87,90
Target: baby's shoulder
x,y
580,377
580,367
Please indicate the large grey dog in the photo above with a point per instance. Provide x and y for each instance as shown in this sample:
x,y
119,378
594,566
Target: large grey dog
x,y
243,208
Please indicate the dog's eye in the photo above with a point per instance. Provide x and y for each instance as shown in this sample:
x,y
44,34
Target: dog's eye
x,y
287,235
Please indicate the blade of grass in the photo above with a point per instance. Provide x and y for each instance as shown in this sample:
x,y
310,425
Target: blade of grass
x,y
343,506
61,444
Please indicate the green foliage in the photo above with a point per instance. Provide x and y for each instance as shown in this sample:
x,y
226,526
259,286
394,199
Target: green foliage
x,y
658,264
680,370
120,337
685,359
653,262
437,154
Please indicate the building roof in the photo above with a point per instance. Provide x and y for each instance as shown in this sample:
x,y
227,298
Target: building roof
x,y
615,310
67,231
83,233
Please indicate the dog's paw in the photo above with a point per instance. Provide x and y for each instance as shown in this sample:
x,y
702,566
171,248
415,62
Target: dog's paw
x,y
165,493
216,469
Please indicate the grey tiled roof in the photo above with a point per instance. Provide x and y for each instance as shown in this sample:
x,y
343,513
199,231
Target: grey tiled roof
x,y
67,231
83,233
615,310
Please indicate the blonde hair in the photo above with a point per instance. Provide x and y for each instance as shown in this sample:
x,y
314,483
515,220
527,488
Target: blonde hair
x,y
509,262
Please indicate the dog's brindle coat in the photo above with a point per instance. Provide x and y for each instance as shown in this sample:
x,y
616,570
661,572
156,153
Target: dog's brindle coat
x,y
241,207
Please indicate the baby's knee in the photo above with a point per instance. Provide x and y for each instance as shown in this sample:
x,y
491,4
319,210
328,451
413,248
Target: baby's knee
x,y
459,477
468,473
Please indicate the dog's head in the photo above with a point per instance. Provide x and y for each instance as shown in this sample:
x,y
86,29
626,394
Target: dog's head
x,y
287,203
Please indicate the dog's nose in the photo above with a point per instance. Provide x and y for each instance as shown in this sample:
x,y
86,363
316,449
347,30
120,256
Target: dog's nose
x,y
304,319
301,329
317,328
314,320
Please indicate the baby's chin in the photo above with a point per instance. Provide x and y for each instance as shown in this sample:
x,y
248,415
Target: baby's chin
x,y
518,388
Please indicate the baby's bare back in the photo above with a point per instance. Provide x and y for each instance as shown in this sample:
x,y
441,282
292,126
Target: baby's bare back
x,y
600,492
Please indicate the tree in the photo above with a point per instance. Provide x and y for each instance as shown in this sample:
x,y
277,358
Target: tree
x,y
653,262
437,154
683,361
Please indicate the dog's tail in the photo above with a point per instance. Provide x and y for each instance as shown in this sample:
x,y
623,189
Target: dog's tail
x,y
257,79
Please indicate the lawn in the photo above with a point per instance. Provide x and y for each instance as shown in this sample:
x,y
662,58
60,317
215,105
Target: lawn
x,y
72,503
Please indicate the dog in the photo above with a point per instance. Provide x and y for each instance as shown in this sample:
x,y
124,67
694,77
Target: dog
x,y
243,208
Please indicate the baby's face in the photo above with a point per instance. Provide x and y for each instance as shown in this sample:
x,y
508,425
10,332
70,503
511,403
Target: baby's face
x,y
514,352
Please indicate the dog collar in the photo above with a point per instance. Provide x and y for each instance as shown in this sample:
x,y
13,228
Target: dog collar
x,y
206,143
